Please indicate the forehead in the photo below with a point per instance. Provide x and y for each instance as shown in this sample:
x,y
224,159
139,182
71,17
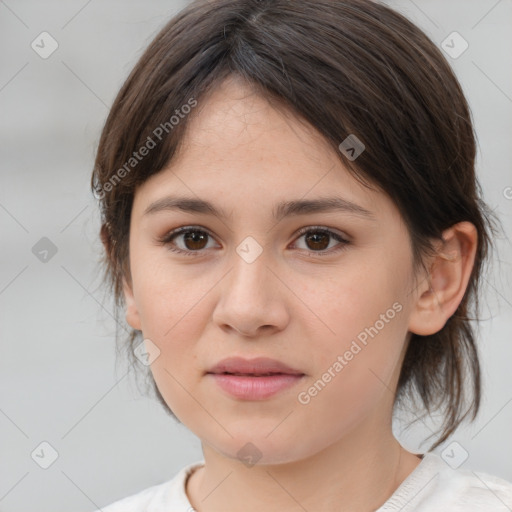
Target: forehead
x,y
239,146
235,123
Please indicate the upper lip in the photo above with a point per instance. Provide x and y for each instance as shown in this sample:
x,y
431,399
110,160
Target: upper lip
x,y
257,366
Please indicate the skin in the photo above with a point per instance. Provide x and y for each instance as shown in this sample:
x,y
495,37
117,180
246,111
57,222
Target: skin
x,y
336,452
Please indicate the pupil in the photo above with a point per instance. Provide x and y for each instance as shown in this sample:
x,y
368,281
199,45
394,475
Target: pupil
x,y
317,239
194,237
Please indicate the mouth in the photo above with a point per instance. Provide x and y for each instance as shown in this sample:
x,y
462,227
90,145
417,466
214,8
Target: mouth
x,y
255,379
259,367
239,374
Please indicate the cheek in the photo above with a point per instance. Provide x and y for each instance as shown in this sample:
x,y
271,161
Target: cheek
x,y
357,358
356,374
167,296
361,302
172,308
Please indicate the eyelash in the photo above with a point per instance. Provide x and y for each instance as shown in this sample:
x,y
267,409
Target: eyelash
x,y
167,239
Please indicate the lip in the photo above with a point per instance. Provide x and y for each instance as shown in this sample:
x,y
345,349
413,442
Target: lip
x,y
257,366
254,379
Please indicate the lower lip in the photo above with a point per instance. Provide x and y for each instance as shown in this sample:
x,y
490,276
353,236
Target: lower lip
x,y
254,388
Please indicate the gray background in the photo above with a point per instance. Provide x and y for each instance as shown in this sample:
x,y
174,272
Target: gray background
x,y
59,378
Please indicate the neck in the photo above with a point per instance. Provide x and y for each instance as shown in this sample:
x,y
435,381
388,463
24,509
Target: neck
x,y
359,472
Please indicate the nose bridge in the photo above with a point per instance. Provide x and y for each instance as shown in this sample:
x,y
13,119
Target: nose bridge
x,y
247,300
250,274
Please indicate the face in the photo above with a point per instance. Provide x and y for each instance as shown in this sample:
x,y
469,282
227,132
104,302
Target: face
x,y
325,291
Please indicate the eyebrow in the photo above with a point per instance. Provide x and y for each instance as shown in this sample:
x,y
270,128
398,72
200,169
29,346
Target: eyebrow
x,y
282,209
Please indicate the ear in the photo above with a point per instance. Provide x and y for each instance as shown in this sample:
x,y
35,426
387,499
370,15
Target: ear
x,y
132,313
438,297
105,239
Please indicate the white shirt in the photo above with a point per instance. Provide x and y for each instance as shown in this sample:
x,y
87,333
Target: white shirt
x,y
432,487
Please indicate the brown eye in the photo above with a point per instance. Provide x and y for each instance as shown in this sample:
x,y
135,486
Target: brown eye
x,y
195,240
317,240
187,240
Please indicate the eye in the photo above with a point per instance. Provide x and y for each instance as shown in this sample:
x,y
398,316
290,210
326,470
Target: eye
x,y
318,240
191,239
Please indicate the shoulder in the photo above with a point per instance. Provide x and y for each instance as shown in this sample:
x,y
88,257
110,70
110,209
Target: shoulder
x,y
157,498
478,491
435,486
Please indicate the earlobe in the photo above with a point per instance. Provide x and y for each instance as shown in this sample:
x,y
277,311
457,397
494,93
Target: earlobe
x,y
439,295
106,240
132,313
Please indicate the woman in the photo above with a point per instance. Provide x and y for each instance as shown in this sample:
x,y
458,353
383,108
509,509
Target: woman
x,y
293,227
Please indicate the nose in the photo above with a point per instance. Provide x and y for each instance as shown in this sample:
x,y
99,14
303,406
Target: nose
x,y
252,300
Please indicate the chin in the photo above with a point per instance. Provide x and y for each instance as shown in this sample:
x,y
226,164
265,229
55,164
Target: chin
x,y
260,449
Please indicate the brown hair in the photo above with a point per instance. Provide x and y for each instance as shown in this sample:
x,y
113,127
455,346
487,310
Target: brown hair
x,y
345,67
